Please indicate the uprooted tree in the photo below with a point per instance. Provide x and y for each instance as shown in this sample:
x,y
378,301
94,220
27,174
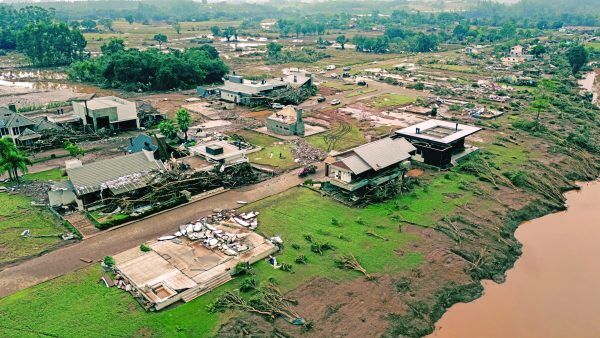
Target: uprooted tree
x,y
267,301
170,186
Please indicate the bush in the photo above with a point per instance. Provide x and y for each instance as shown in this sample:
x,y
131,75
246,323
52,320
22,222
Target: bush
x,y
145,248
109,261
248,284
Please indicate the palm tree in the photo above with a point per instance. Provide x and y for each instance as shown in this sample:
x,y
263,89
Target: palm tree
x,y
12,159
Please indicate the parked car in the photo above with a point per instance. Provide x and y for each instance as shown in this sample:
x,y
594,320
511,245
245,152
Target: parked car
x,y
345,74
321,99
347,68
334,75
362,83
335,102
308,170
277,105
330,67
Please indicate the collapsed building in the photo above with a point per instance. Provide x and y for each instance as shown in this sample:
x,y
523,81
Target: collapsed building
x,y
238,90
199,257
92,182
287,122
108,112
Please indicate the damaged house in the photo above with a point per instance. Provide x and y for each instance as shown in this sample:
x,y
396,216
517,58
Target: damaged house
x,y
373,163
287,122
439,143
19,128
108,112
94,181
238,90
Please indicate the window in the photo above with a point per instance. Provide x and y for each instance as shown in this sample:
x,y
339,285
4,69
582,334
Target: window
x,y
16,131
3,131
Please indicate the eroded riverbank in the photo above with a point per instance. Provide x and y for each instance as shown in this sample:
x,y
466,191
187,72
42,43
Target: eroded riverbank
x,y
552,289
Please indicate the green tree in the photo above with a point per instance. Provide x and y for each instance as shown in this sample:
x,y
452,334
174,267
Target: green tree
x,y
342,41
577,56
538,50
183,121
177,27
108,23
167,128
12,160
114,45
273,49
540,103
129,18
160,38
73,149
51,44
229,33
215,30
88,24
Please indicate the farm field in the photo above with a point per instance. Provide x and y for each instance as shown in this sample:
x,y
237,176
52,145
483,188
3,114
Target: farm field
x,y
341,137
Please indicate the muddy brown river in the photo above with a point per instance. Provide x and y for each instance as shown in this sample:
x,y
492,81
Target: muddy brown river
x,y
553,289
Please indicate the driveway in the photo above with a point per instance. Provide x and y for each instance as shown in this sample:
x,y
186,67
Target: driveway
x,y
67,259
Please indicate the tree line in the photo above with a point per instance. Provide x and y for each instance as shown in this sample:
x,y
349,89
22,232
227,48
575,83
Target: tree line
x,y
152,69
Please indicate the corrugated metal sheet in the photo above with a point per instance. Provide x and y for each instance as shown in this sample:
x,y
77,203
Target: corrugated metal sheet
x,y
385,152
89,177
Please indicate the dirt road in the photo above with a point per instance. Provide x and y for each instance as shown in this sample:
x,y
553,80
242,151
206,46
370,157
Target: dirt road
x,y
67,259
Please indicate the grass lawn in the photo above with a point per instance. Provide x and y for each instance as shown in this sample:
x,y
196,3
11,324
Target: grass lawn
x,y
48,175
16,215
361,92
341,137
391,100
594,44
272,147
340,86
77,304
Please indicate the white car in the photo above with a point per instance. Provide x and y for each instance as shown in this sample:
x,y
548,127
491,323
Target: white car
x,y
277,106
335,102
330,67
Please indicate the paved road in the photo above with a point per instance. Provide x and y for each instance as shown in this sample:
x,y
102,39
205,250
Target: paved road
x,y
67,259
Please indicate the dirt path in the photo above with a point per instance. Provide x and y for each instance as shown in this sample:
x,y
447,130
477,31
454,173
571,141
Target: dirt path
x,y
67,259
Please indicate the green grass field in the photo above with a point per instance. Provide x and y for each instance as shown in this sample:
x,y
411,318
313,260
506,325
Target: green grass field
x,y
341,137
272,147
48,175
340,86
16,215
391,100
77,304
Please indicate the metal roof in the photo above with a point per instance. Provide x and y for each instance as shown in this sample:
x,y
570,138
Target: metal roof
x,y
377,155
439,131
13,120
119,174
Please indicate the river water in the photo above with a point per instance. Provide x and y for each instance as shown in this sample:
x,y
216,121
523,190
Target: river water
x,y
588,83
553,289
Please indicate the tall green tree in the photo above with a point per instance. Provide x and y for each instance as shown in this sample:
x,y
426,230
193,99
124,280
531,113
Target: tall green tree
x,y
229,33
12,160
167,128
114,45
183,121
540,103
160,38
577,56
177,27
51,44
341,39
273,49
215,30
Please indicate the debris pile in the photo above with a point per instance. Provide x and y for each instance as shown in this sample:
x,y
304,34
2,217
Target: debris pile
x,y
304,153
206,230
